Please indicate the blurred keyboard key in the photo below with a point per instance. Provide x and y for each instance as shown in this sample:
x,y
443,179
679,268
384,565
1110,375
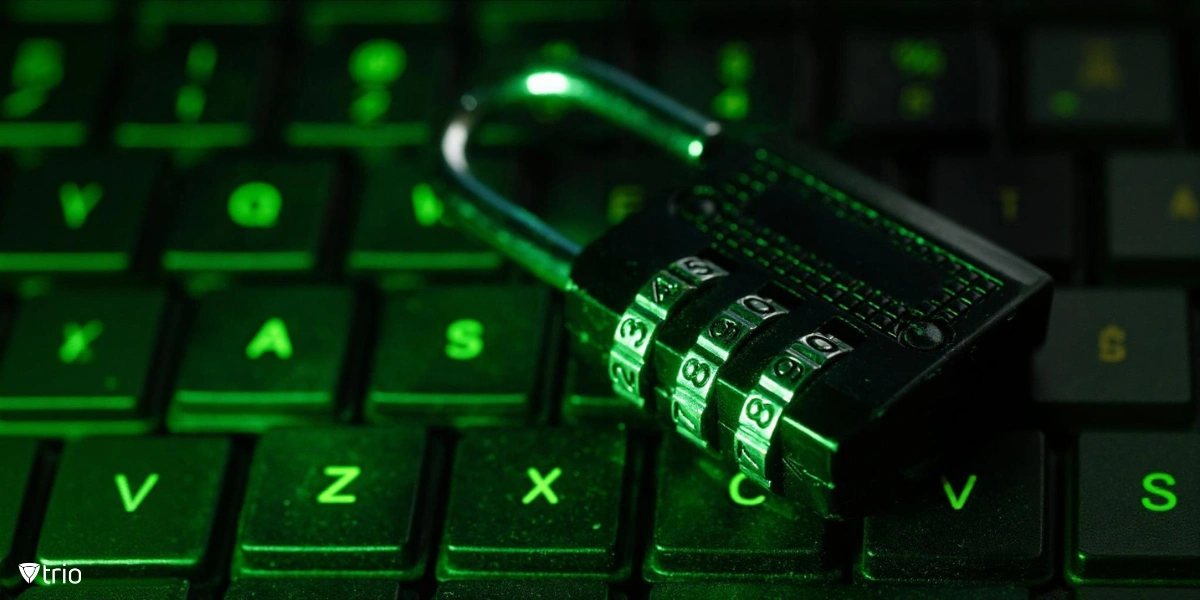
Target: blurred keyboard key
x,y
1024,204
539,502
745,532
196,88
57,76
927,82
1101,81
1144,593
948,530
151,505
16,468
257,216
458,354
258,358
1134,514
76,213
314,589
81,362
1154,212
522,590
762,591
325,502
176,589
1116,356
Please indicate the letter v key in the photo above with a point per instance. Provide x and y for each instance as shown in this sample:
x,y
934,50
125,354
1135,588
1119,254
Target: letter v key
x,y
133,502
957,501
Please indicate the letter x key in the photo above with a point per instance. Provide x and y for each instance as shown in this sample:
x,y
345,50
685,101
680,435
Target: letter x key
x,y
541,487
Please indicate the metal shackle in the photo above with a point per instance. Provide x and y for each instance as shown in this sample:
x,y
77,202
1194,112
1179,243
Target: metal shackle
x,y
589,84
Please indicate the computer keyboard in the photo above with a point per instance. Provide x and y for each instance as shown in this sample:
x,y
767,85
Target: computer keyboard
x,y
244,358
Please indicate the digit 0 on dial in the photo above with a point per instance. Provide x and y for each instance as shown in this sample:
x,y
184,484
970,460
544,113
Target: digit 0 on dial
x,y
778,383
636,329
718,340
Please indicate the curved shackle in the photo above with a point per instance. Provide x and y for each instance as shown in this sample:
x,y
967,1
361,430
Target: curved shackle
x,y
589,84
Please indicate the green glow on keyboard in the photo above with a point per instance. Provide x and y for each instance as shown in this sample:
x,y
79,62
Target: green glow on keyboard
x,y
919,58
78,202
1064,103
732,104
255,204
378,62
916,101
370,104
427,207
201,61
559,50
464,339
271,337
37,68
77,341
735,63
189,103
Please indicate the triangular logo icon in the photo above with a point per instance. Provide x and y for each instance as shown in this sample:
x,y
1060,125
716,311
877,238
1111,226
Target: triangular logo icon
x,y
29,571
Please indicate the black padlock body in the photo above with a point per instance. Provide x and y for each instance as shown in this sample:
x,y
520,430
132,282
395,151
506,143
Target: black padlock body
x,y
925,304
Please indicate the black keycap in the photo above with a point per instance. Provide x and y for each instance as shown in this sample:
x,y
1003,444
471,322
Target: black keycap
x,y
980,519
1133,507
251,216
463,354
134,507
1154,212
759,79
55,75
923,81
259,357
1097,593
401,227
16,468
196,88
371,79
522,590
334,501
746,532
758,591
314,589
124,590
537,501
1117,356
1023,204
1099,81
80,362
76,213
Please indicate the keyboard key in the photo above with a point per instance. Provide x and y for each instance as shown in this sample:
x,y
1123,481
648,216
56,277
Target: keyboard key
x,y
401,226
54,90
759,591
16,468
465,355
1153,211
746,532
1023,204
80,362
176,589
259,358
198,88
338,501
1099,81
371,78
1133,507
589,398
251,216
1116,356
314,589
522,590
1097,593
928,82
76,213
149,509
536,502
980,519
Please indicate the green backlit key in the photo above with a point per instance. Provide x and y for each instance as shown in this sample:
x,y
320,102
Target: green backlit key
x,y
1144,593
198,89
16,466
522,590
757,591
1154,213
250,216
982,518
76,213
1133,512
537,502
314,589
80,362
176,589
325,502
400,226
460,354
369,80
260,357
51,81
134,507
746,532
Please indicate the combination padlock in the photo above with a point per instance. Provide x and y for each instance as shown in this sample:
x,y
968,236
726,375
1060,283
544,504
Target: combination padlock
x,y
809,325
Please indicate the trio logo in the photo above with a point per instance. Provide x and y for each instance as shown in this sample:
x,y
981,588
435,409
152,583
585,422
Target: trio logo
x,y
29,572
